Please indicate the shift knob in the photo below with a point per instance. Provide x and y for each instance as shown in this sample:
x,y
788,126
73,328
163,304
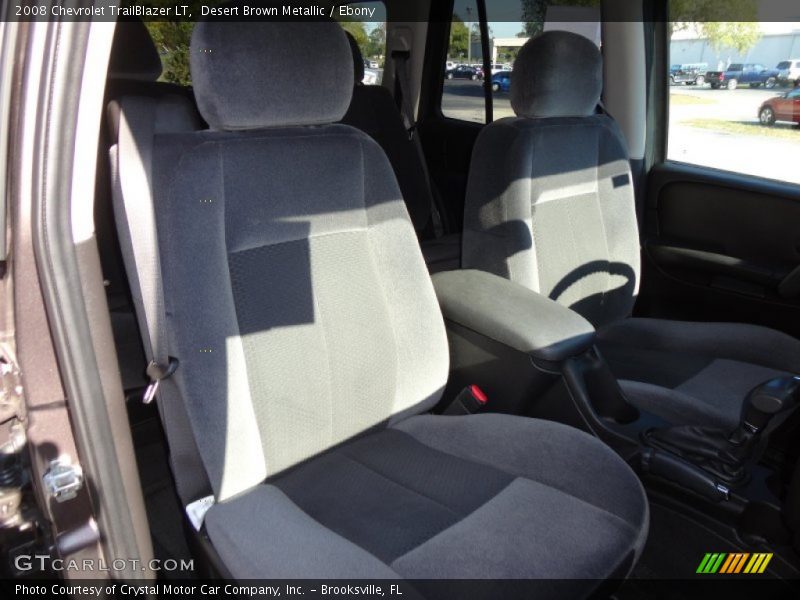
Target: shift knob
x,y
768,399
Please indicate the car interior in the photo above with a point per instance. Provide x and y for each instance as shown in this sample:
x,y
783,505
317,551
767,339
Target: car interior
x,y
361,339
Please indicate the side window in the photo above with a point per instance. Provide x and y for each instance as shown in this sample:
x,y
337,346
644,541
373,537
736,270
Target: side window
x,y
510,25
463,95
172,41
370,35
739,115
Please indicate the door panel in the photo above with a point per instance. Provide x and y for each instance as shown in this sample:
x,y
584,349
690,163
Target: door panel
x,y
721,247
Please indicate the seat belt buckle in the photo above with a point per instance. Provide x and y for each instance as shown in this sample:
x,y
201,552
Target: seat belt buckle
x,y
470,400
156,372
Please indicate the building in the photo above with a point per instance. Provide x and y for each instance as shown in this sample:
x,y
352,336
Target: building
x,y
779,41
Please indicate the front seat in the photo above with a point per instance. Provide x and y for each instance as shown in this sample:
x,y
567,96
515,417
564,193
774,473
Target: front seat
x,y
373,110
550,204
310,342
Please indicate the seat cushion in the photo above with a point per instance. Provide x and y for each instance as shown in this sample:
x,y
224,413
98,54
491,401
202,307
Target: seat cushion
x,y
695,373
482,496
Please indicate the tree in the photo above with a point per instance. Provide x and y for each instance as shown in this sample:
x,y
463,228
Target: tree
x,y
359,31
534,12
711,19
459,36
725,23
172,41
376,45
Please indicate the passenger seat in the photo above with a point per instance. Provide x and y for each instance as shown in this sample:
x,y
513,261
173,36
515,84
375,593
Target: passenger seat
x,y
309,345
374,111
550,205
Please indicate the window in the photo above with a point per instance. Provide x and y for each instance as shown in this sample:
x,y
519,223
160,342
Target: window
x,y
740,114
370,35
510,25
463,95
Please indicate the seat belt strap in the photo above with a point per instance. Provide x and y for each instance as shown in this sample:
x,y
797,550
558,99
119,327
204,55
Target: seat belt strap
x,y
131,166
403,96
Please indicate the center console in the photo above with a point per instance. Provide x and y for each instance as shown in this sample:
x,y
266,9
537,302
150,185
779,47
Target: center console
x,y
518,345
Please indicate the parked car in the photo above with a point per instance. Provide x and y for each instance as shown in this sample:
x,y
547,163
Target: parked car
x,y
752,74
463,72
371,77
789,72
373,64
501,82
785,107
690,74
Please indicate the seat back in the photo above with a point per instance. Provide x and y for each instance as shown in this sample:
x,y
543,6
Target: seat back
x,y
295,294
373,111
550,201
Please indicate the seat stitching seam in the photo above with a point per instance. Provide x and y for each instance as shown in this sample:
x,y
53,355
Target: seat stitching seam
x,y
519,476
292,241
400,485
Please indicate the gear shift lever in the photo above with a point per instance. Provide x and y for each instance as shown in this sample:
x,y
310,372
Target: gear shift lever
x,y
761,405
725,455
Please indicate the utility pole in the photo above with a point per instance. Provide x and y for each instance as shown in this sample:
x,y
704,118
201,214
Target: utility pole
x,y
469,35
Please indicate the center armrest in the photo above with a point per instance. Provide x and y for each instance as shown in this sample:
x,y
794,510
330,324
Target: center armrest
x,y
512,314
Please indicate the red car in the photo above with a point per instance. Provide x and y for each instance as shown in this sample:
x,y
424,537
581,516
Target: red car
x,y
785,107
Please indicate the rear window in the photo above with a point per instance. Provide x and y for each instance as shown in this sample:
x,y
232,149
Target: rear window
x,y
784,64
735,67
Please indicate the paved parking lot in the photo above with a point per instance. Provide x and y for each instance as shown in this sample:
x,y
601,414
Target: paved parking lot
x,y
770,152
714,128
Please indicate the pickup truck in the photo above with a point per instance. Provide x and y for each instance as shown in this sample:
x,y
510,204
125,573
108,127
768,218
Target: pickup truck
x,y
752,74
694,74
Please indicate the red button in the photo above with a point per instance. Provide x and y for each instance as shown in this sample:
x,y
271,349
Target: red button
x,y
478,394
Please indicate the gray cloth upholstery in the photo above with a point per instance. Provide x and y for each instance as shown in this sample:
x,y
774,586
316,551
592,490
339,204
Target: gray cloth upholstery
x,y
325,321
695,373
309,336
512,314
550,205
285,80
557,74
134,56
483,496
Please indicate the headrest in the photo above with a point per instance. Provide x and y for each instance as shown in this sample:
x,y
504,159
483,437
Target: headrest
x,y
557,74
261,74
133,53
358,59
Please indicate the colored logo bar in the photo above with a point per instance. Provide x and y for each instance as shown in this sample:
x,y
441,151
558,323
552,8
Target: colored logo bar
x,y
731,563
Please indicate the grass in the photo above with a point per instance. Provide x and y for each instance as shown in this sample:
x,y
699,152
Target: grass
x,y
687,99
779,130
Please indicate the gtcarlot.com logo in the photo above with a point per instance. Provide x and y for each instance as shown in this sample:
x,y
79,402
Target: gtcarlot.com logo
x,y
44,562
734,563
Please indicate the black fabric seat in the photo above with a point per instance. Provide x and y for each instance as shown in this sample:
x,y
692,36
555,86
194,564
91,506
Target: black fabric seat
x,y
445,497
310,343
550,205
374,111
